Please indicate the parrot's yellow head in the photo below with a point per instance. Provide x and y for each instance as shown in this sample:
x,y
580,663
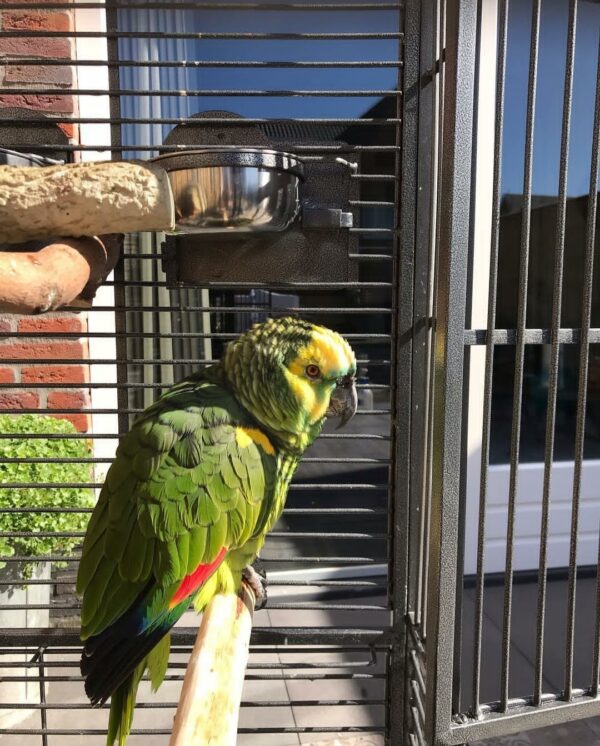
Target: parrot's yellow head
x,y
291,375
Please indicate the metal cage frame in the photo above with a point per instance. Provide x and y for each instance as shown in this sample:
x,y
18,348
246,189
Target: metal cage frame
x,y
433,574
432,240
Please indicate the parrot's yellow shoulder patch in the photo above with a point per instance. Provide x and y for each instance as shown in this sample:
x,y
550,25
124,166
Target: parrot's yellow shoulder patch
x,y
246,435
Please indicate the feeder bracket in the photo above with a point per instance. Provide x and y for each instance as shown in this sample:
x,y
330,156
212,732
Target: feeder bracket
x,y
325,218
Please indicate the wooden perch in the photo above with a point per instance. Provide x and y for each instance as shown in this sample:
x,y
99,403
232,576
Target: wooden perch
x,y
83,199
207,714
65,272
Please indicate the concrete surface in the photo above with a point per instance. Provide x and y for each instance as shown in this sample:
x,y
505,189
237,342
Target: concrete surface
x,y
288,681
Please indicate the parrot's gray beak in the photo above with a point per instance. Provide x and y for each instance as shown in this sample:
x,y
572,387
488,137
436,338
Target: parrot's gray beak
x,y
344,401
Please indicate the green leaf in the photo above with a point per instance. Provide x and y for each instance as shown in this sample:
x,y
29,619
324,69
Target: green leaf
x,y
80,498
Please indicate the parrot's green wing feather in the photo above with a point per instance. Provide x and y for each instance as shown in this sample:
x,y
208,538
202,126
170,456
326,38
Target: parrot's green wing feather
x,y
190,478
158,662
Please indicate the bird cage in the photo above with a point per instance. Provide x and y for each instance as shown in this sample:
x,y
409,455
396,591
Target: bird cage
x,y
411,538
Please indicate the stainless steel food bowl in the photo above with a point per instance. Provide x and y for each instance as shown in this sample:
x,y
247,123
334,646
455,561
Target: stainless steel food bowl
x,y
230,190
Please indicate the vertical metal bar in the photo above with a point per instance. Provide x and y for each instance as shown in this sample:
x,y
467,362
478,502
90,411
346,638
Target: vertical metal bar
x,y
422,376
519,355
596,659
437,73
148,318
402,319
205,324
42,682
175,49
559,250
460,543
584,354
422,312
164,321
467,367
489,352
457,141
112,43
387,696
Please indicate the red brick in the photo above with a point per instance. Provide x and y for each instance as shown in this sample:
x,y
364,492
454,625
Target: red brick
x,y
27,46
39,74
71,400
57,103
56,374
68,399
18,400
6,324
7,375
70,323
70,130
65,349
35,20
81,421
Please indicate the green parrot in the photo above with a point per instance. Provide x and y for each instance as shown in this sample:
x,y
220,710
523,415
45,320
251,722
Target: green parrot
x,y
196,485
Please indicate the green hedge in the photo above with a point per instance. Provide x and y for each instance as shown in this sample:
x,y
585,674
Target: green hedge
x,y
33,497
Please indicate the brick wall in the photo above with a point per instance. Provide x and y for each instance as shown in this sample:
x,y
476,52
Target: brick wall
x,y
57,386
31,337
55,77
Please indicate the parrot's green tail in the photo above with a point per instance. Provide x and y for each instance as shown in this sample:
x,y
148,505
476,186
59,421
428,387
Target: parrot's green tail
x,y
122,704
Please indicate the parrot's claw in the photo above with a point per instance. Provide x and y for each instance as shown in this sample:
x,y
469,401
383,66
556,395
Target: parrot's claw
x,y
256,577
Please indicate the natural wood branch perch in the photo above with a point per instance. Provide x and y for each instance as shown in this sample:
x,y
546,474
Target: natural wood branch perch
x,y
209,704
56,275
83,199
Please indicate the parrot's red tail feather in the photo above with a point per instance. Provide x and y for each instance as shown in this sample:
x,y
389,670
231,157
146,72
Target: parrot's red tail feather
x,y
194,580
111,656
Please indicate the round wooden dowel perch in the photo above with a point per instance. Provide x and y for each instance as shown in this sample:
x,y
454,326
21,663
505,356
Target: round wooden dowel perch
x,y
83,199
65,272
208,710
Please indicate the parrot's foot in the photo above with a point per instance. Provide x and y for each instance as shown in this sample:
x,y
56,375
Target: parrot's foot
x,y
256,577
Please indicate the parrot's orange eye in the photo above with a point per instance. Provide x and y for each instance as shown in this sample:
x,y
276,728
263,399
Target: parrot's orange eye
x,y
313,371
